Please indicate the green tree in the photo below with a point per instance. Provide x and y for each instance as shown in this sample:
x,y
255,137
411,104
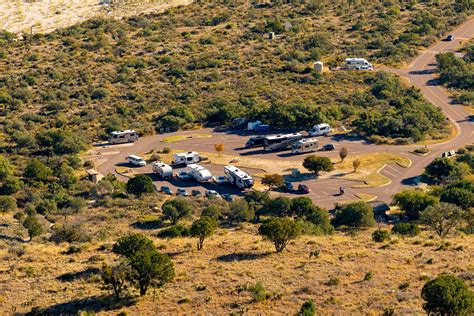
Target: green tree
x,y
148,266
67,176
203,228
307,309
302,206
33,226
279,206
463,198
36,171
356,214
412,202
257,200
343,153
6,169
273,181
239,211
441,170
320,218
140,184
176,209
10,185
443,217
212,211
280,231
317,164
447,295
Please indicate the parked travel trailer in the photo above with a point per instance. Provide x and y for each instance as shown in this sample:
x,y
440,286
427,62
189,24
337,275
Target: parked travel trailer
x,y
199,173
163,170
358,64
320,129
251,126
257,141
275,142
120,137
136,160
305,146
238,177
186,158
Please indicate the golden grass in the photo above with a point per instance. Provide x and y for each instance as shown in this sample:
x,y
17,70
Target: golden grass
x,y
368,172
366,197
178,138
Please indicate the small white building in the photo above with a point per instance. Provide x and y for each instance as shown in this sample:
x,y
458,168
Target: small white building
x,y
318,66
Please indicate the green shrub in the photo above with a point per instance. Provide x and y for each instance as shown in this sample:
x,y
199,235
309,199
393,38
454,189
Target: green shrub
x,y
173,232
406,229
380,235
307,309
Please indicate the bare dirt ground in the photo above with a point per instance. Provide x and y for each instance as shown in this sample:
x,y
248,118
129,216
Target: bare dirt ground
x,y
45,16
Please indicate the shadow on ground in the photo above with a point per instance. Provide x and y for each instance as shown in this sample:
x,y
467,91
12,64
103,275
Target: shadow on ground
x,y
73,276
242,256
90,304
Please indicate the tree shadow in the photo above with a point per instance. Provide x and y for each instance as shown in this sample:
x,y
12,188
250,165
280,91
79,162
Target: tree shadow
x,y
73,276
242,256
91,304
12,238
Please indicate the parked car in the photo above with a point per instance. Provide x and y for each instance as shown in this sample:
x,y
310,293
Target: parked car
x,y
196,192
182,192
448,154
182,175
228,197
450,37
328,147
303,188
220,180
288,187
212,194
166,190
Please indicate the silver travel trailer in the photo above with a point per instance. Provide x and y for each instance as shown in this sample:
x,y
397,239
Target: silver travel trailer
x,y
358,64
120,137
238,177
199,173
186,158
305,146
163,170
285,141
136,160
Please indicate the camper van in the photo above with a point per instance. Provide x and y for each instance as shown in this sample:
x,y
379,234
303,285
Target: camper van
x,y
238,177
163,170
120,137
358,64
186,158
305,146
136,160
276,142
199,173
320,129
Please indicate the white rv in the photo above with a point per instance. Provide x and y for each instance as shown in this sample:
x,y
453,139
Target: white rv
x,y
305,146
278,142
358,64
320,129
238,177
120,137
199,173
136,160
163,170
186,158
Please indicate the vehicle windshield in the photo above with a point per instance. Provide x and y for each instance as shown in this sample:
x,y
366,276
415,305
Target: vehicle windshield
x,y
248,182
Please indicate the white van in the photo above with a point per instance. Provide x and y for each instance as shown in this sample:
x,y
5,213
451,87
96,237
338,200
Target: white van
x,y
199,173
136,160
186,158
163,170
320,129
358,64
120,137
305,146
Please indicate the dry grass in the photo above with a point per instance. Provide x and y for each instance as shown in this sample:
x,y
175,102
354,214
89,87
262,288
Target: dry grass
x,y
235,258
178,138
371,163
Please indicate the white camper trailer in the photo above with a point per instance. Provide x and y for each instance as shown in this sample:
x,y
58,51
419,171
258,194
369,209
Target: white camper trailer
x,y
320,129
136,160
186,158
305,146
358,64
238,177
199,173
120,137
163,170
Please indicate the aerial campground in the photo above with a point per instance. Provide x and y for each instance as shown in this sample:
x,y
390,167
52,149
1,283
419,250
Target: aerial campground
x,y
245,157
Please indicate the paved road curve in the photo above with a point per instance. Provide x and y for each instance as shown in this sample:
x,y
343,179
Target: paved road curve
x,y
324,191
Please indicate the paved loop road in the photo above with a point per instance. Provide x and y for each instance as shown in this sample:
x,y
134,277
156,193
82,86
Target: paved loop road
x,y
420,73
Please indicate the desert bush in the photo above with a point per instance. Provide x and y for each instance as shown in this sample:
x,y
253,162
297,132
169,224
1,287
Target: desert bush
x,y
69,233
406,229
380,235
